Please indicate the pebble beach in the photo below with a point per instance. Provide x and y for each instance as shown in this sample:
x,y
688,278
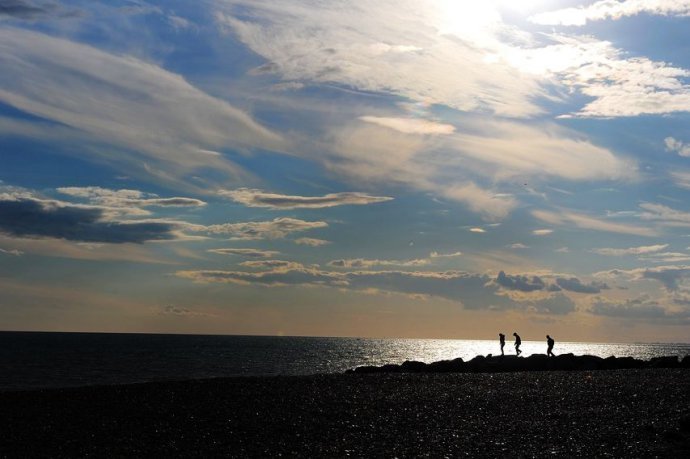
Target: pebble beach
x,y
614,413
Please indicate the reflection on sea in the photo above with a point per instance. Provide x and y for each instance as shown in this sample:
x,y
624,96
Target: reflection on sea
x,y
30,360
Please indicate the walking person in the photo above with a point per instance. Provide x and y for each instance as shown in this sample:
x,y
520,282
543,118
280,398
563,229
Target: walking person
x,y
549,343
518,342
502,341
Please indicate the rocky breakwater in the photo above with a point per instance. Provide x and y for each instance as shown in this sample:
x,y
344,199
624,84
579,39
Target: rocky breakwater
x,y
536,362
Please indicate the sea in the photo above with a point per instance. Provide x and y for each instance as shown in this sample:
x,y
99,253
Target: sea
x,y
37,360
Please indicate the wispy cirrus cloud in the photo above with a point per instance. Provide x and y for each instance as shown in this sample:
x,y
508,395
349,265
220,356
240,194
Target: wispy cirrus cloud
x,y
149,114
611,9
369,46
311,242
493,206
641,250
123,198
277,228
257,198
664,215
411,125
246,253
569,218
445,255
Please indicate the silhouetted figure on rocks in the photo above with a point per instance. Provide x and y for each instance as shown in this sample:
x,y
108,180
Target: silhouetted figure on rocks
x,y
550,342
502,341
518,342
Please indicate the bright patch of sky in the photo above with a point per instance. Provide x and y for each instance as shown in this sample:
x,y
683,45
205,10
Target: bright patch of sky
x,y
328,167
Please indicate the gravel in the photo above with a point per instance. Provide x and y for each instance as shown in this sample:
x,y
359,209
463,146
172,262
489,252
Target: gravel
x,y
616,413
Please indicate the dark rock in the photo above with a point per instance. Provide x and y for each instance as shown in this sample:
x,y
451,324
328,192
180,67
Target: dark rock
x,y
685,363
535,362
411,366
589,362
664,362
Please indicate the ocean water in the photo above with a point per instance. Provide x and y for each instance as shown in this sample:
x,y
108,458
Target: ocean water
x,y
43,360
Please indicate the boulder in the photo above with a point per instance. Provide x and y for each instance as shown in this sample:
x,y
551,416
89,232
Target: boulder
x,y
663,362
411,366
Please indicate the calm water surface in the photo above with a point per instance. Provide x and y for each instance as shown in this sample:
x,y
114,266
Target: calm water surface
x,y
33,360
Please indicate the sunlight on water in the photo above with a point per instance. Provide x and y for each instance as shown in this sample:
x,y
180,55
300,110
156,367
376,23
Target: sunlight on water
x,y
399,350
76,359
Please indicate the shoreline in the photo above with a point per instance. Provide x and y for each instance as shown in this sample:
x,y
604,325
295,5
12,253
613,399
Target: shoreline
x,y
533,362
635,412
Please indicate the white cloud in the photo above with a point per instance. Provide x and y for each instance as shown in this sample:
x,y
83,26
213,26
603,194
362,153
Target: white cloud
x,y
641,250
311,242
247,253
277,228
612,9
665,215
578,220
542,232
274,265
667,257
151,115
13,252
492,206
681,178
444,255
676,146
545,150
369,46
364,263
257,198
477,230
620,85
411,125
124,198
518,245
409,48
670,276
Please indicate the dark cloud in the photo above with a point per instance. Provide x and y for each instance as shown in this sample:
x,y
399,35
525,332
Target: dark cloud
x,y
639,308
470,289
22,9
574,284
183,312
247,253
521,283
474,291
257,198
33,10
33,218
669,276
557,304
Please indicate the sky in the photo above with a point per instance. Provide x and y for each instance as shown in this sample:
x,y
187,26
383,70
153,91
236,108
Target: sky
x,y
406,168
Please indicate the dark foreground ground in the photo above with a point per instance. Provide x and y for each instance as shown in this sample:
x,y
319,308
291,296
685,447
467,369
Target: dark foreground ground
x,y
629,413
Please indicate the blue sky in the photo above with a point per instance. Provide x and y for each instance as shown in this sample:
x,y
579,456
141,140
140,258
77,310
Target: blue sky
x,y
347,168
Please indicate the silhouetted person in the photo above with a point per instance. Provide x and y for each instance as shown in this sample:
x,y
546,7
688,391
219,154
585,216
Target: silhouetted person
x,y
518,342
502,341
550,342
